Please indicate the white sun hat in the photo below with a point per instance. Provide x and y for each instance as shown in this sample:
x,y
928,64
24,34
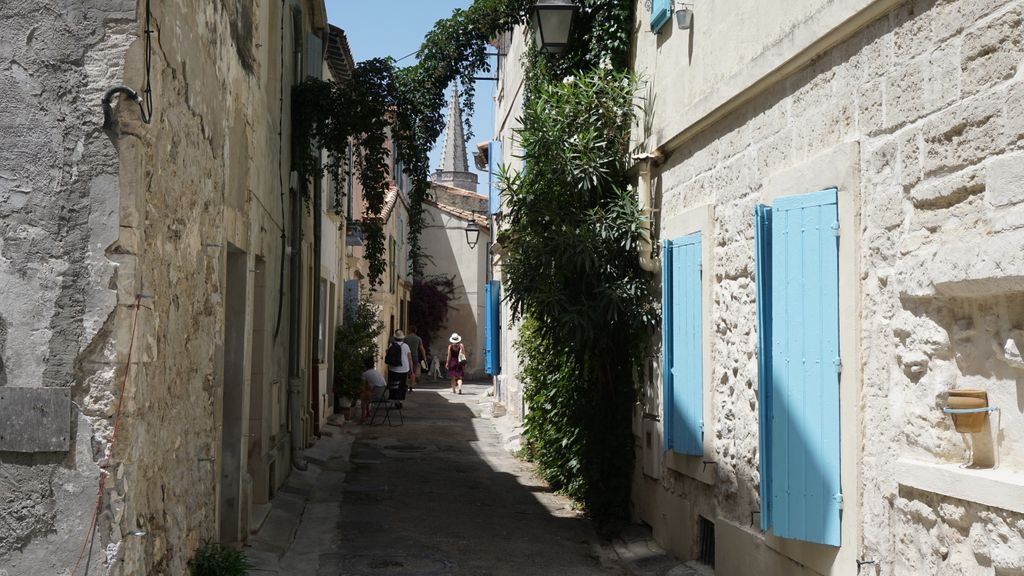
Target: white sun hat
x,y
455,339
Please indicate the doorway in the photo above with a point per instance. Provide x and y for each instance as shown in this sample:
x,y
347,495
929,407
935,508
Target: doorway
x,y
234,392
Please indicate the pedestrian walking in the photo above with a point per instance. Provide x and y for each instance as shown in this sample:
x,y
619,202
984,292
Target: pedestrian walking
x,y
415,344
399,361
456,362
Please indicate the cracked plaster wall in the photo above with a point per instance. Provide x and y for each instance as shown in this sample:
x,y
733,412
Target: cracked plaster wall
x,y
933,92
89,220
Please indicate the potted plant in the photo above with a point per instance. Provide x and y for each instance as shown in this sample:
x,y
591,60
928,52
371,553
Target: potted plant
x,y
354,341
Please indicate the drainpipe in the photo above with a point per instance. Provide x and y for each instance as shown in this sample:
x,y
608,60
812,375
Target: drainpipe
x,y
294,336
647,261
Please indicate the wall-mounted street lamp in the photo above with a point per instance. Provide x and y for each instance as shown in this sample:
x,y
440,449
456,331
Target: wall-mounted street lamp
x,y
472,232
552,24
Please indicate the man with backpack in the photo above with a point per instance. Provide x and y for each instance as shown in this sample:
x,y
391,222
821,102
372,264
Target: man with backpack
x,y
399,360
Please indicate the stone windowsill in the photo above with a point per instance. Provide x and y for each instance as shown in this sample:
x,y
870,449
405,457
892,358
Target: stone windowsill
x,y
987,486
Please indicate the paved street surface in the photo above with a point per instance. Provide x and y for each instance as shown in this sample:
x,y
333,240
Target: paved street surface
x,y
438,495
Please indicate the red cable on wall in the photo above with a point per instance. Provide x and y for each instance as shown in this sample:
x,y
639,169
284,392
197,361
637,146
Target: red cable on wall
x,y
113,438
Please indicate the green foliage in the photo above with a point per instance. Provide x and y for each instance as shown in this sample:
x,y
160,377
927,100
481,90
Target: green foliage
x,y
429,305
331,117
355,341
216,559
570,264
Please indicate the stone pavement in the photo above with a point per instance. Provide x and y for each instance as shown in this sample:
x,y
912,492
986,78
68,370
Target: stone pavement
x,y
439,495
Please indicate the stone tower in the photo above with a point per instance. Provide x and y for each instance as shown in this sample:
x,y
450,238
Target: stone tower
x,y
454,169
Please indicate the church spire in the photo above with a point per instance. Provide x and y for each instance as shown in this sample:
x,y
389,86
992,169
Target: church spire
x,y
454,169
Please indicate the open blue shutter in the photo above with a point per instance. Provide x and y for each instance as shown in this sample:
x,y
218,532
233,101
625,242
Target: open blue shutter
x,y
493,166
492,349
805,488
687,367
763,261
667,359
661,12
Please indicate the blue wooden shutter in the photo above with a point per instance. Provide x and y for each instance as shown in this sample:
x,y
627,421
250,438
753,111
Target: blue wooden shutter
x,y
805,487
493,166
762,258
661,12
684,390
667,360
315,57
492,345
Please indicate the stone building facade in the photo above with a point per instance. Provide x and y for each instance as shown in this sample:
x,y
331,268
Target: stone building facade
x,y
909,116
158,278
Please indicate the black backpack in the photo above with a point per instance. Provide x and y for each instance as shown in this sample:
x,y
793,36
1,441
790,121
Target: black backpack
x,y
393,357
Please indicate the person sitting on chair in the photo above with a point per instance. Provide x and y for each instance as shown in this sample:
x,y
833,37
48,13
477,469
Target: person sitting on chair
x,y
373,388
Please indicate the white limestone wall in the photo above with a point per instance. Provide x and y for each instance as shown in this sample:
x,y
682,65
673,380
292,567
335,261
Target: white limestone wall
x,y
931,97
508,109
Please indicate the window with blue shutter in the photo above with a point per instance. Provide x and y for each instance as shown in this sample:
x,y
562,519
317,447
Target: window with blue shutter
x,y
798,317
661,12
492,344
493,166
682,346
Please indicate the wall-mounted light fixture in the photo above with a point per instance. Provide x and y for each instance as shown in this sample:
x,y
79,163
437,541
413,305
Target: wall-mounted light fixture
x,y
552,24
472,231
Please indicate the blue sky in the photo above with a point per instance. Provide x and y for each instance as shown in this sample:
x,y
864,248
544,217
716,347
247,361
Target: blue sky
x,y
378,28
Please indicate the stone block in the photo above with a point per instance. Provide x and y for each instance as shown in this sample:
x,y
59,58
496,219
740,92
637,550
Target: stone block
x,y
1015,112
964,135
992,52
871,106
1004,185
942,82
904,100
948,191
912,28
953,16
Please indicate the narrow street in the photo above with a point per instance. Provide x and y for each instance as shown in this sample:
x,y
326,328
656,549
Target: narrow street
x,y
437,495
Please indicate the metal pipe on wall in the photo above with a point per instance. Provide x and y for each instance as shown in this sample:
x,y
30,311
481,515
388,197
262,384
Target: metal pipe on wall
x,y
294,334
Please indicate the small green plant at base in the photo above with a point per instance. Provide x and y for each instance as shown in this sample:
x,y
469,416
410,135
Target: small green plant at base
x,y
216,559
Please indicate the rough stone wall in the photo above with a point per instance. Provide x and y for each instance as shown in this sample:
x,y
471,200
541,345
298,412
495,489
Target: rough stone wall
x,y
108,234
934,94
58,213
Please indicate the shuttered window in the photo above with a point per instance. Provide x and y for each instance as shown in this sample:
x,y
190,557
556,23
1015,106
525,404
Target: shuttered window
x,y
661,12
493,166
682,347
492,348
798,320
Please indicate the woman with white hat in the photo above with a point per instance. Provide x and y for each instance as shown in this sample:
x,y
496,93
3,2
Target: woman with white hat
x,y
456,362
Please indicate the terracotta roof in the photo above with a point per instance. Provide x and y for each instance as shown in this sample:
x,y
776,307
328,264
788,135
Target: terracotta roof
x,y
339,55
459,213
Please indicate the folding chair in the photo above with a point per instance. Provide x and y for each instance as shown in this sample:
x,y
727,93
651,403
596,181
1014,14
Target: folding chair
x,y
392,400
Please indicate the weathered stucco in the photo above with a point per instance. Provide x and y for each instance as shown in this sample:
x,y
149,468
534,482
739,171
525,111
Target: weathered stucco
x,y
932,96
117,240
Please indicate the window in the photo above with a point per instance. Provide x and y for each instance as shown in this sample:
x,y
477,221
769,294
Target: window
x,y
493,167
391,264
492,344
321,331
661,13
797,257
682,349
